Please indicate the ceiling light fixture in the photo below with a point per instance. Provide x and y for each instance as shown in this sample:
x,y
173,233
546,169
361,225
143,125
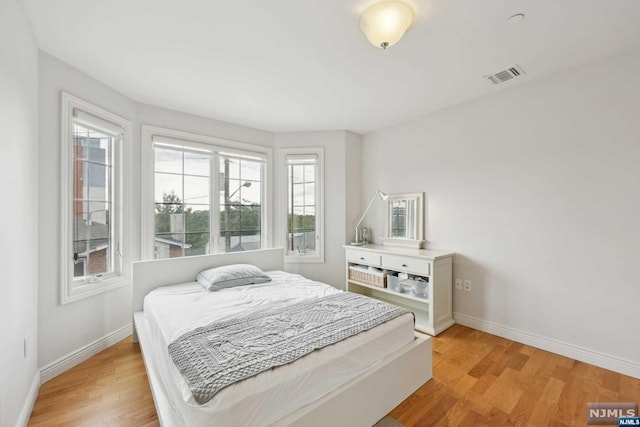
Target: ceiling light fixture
x,y
385,23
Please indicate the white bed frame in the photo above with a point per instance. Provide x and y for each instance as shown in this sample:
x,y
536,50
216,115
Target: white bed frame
x,y
361,402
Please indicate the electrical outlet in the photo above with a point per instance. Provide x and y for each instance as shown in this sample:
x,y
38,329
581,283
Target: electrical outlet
x,y
467,285
459,284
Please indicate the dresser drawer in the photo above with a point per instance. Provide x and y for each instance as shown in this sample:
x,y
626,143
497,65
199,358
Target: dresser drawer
x,y
364,257
403,263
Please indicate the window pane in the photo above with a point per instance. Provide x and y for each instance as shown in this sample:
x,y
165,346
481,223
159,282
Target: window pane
x,y
168,188
197,218
168,245
164,212
310,194
251,194
297,172
92,214
168,160
196,190
230,168
309,219
232,192
196,244
98,151
98,187
298,194
310,173
78,267
98,212
197,164
229,240
236,241
302,242
250,240
250,218
91,240
250,171
98,259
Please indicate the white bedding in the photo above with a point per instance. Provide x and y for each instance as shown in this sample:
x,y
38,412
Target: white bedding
x,y
171,311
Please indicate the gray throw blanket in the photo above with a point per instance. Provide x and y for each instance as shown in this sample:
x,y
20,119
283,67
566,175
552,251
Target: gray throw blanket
x,y
217,355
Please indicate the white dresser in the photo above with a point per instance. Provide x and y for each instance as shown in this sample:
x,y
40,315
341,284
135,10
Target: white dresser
x,y
433,308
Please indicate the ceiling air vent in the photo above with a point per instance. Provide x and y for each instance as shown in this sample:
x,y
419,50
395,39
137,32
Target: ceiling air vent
x,y
505,75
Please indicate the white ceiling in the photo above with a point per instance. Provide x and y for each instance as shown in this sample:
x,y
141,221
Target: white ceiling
x,y
290,65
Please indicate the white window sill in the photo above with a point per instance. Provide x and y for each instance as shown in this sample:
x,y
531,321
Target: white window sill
x,y
303,259
78,292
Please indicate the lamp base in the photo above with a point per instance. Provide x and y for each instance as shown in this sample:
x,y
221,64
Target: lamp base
x,y
357,244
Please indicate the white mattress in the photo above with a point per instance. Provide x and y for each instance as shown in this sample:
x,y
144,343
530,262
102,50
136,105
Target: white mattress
x,y
263,399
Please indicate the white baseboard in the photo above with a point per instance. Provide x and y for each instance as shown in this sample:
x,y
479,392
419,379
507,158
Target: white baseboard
x,y
67,362
25,413
623,366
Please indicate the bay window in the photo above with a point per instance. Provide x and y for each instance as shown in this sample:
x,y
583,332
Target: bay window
x,y
209,196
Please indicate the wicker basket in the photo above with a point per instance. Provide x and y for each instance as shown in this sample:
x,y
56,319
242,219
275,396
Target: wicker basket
x,y
368,277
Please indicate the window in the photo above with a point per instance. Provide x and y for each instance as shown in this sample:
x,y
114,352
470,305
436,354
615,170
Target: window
x,y
398,219
92,200
304,203
182,201
240,204
208,197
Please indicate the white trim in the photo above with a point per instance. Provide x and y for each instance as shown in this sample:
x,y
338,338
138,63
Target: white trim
x,y
413,242
96,122
32,395
283,153
617,364
74,358
70,292
211,144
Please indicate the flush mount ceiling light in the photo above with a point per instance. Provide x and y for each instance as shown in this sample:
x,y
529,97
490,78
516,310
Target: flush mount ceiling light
x,y
385,23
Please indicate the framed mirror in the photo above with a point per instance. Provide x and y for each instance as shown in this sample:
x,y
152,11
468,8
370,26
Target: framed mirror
x,y
405,220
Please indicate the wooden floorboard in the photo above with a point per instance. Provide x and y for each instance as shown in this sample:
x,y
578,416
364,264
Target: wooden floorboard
x,y
478,380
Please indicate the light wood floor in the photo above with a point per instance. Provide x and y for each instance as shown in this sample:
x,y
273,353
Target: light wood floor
x,y
478,379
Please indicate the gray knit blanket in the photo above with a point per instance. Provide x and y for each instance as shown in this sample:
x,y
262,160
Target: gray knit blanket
x,y
217,355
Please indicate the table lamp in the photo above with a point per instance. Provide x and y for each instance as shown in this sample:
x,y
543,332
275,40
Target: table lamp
x,y
383,196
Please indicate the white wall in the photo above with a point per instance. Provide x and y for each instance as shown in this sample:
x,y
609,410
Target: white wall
x,y
339,200
64,329
19,214
353,183
150,115
536,190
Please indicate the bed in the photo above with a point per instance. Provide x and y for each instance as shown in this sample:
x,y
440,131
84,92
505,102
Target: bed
x,y
355,382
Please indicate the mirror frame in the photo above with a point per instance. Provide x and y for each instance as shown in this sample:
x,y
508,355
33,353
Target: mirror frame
x,y
414,241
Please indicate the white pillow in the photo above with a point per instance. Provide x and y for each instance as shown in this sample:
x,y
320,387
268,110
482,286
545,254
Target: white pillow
x,y
229,276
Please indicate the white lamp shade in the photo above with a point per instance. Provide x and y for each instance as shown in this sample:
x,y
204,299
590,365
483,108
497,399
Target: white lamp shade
x,y
385,23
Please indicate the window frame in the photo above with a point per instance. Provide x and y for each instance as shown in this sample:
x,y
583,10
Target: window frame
x,y
71,289
209,143
318,256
